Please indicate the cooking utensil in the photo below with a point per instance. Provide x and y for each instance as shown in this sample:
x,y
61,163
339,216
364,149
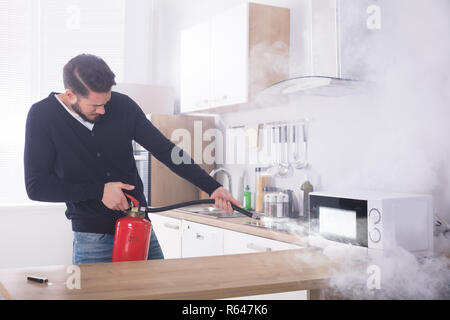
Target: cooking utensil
x,y
283,168
302,163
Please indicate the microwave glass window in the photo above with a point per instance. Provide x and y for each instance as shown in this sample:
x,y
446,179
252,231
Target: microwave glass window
x,y
337,222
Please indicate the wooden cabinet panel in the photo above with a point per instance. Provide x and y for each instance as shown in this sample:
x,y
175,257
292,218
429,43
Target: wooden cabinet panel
x,y
269,42
167,187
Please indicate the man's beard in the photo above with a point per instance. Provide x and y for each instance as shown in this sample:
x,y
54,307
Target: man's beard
x,y
77,109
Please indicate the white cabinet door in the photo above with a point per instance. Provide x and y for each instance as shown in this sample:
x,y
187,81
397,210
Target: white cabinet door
x,y
195,67
199,240
229,56
237,242
168,231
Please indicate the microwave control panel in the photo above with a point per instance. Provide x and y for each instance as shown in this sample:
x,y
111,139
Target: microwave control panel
x,y
375,230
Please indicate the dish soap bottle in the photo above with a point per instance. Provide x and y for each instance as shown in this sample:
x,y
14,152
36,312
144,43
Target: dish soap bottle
x,y
247,198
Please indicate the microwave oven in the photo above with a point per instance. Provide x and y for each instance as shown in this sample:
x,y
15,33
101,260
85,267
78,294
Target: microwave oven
x,y
371,220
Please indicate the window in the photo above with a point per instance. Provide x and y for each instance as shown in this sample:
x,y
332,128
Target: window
x,y
37,37
68,28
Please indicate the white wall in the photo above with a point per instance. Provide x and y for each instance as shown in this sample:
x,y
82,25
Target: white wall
x,y
138,53
395,138
37,235
151,99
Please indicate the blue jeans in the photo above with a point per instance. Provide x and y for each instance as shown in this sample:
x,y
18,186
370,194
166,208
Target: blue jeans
x,y
97,248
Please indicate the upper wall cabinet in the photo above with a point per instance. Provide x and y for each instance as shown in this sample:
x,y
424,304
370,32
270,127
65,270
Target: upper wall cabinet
x,y
195,67
228,59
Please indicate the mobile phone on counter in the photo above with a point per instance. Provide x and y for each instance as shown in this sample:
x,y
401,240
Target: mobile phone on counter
x,y
37,279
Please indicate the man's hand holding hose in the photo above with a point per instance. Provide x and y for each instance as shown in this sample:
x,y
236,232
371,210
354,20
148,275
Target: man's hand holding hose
x,y
224,200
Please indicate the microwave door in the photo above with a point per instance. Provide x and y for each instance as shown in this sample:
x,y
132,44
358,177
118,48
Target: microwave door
x,y
338,219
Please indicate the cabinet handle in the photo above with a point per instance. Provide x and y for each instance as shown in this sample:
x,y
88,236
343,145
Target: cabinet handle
x,y
201,103
199,237
219,99
256,247
171,226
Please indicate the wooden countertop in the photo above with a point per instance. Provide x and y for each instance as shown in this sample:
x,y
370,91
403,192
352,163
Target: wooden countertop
x,y
190,278
239,225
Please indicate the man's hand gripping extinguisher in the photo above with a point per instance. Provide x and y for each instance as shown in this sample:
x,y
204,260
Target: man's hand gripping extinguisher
x,y
132,235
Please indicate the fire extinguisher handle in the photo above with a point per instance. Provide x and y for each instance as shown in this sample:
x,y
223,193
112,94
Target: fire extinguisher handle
x,y
133,200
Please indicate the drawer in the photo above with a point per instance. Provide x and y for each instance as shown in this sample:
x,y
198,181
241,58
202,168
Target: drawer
x,y
163,222
168,231
199,240
237,242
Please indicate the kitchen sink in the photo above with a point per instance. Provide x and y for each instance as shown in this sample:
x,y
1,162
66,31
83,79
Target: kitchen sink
x,y
211,212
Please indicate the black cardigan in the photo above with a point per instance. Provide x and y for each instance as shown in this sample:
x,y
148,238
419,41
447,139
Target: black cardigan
x,y
66,162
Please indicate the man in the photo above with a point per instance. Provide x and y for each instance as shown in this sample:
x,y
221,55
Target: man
x,y
78,150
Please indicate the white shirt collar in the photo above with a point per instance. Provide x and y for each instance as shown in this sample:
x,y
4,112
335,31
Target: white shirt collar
x,y
87,124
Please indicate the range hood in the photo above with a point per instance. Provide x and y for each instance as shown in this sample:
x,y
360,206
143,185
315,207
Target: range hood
x,y
315,85
338,36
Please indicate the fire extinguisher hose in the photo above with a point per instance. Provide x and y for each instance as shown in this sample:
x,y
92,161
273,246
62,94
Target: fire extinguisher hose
x,y
196,202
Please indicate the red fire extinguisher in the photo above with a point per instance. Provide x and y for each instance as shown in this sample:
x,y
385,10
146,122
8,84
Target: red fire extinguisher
x,y
132,235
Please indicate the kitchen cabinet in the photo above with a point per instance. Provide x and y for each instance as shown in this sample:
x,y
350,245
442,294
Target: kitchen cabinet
x,y
199,240
237,242
183,239
168,231
195,67
229,58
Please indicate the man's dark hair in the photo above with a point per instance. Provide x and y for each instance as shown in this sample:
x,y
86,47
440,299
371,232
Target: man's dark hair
x,y
86,73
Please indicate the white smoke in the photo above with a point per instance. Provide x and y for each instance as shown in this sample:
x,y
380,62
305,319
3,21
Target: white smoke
x,y
401,274
395,138
392,274
409,103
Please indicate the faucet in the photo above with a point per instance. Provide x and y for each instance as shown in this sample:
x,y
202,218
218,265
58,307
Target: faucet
x,y
226,172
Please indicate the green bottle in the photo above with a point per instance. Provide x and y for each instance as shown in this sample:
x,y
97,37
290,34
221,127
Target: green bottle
x,y
247,198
